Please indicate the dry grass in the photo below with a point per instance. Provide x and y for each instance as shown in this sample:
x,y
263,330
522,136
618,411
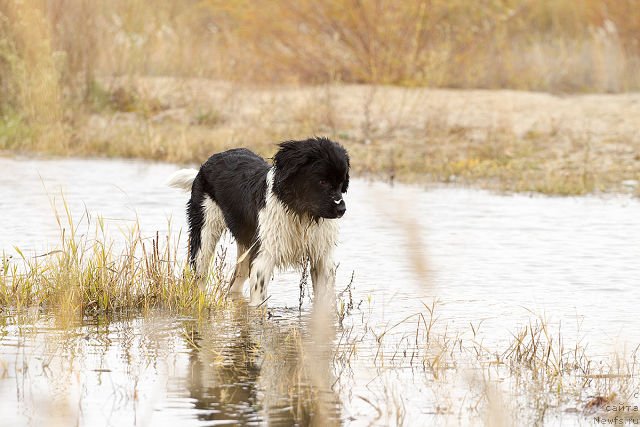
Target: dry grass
x,y
309,363
69,84
89,274
536,375
513,141
306,368
523,44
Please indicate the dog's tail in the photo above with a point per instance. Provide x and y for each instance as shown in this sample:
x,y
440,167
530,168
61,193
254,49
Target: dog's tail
x,y
182,179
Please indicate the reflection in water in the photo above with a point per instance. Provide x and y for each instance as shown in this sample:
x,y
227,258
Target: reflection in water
x,y
224,367
248,368
493,262
237,366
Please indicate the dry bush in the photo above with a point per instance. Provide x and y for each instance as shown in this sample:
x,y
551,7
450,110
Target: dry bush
x,y
530,44
30,90
535,44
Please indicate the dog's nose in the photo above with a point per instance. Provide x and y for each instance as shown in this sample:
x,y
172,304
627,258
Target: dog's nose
x,y
341,209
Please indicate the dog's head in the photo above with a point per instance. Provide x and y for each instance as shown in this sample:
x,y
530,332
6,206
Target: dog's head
x,y
311,176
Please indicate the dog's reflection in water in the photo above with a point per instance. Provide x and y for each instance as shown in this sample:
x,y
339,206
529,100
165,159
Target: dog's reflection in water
x,y
246,367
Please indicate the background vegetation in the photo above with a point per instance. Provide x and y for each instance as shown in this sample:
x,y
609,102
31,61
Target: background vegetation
x,y
67,65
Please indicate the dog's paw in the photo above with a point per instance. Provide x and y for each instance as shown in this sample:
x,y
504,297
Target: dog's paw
x,y
258,301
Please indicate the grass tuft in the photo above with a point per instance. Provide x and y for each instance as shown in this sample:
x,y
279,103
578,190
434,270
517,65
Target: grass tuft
x,y
87,275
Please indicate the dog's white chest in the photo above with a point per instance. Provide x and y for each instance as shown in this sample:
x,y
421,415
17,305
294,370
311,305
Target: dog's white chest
x,y
289,238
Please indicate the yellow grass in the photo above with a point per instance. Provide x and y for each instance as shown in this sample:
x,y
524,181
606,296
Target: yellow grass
x,y
70,82
525,44
88,273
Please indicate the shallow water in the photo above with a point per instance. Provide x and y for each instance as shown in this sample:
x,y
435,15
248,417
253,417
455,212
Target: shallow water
x,y
489,260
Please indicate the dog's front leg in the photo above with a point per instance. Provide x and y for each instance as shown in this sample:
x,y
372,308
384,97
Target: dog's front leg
x,y
259,278
323,278
242,270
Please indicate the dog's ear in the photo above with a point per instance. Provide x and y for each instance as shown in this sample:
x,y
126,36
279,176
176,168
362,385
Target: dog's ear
x,y
289,159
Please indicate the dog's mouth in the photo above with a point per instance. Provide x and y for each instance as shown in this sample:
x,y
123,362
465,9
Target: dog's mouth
x,y
332,213
332,210
340,208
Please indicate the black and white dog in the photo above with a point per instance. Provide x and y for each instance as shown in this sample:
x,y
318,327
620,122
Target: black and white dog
x,y
280,215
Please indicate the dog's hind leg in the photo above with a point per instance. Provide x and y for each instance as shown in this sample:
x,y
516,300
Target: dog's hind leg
x,y
323,278
259,278
206,226
241,272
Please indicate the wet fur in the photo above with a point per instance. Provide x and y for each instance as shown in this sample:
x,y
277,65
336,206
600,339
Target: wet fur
x,y
280,216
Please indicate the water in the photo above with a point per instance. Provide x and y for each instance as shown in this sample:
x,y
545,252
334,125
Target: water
x,y
488,260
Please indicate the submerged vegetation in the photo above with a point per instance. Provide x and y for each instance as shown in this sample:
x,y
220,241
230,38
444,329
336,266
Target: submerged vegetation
x,y
288,368
302,365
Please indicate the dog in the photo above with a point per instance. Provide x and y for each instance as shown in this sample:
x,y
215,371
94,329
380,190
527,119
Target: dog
x,y
281,215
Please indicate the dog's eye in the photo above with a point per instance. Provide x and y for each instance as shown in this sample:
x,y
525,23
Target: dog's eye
x,y
323,182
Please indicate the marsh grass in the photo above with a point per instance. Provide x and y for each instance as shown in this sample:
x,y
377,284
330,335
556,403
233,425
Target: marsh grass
x,y
306,364
87,273
537,372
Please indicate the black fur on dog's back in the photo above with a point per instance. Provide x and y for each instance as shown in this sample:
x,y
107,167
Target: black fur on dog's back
x,y
236,181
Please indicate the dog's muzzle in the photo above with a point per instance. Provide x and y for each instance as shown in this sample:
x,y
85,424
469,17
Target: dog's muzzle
x,y
341,207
